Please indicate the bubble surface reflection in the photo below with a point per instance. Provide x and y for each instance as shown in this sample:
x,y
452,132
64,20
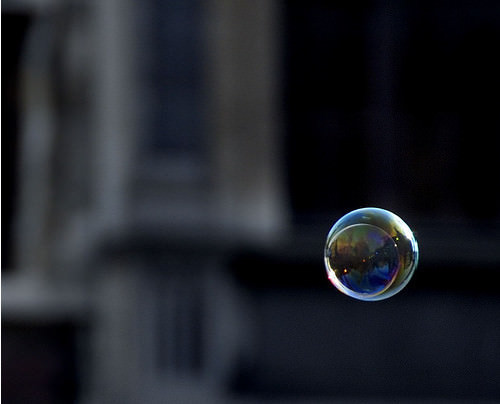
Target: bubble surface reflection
x,y
370,254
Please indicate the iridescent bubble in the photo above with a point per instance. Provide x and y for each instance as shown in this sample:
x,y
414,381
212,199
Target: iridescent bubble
x,y
370,254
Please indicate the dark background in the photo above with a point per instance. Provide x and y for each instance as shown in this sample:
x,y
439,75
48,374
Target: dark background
x,y
394,106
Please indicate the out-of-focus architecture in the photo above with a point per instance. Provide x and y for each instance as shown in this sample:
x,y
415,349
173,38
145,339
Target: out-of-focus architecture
x,y
148,150
170,162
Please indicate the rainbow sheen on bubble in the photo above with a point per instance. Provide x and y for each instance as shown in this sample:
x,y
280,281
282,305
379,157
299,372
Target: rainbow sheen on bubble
x,y
370,254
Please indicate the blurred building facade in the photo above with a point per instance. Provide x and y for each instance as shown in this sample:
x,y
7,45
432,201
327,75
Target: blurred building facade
x,y
175,167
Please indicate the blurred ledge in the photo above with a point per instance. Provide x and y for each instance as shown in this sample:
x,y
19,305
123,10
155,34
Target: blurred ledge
x,y
453,257
202,241
461,244
31,298
439,243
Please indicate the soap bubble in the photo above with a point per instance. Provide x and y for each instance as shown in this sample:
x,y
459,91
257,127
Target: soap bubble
x,y
370,254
